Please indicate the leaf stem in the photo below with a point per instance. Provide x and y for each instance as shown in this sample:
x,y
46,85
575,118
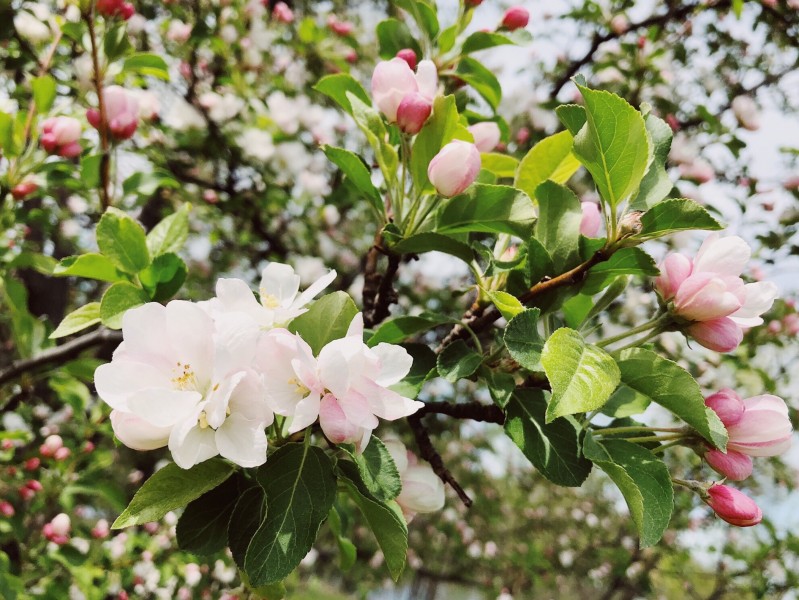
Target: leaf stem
x,y
634,428
654,322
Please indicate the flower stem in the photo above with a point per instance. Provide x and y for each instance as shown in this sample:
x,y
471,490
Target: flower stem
x,y
105,159
636,428
654,438
652,323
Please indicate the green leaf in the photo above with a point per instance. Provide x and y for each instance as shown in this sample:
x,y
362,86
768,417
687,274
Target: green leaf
x,y
247,516
203,526
122,240
78,320
357,172
488,209
90,170
393,35
384,519
482,79
552,448
327,319
558,225
115,41
170,233
582,376
119,298
572,116
523,341
371,123
44,93
507,304
613,145
501,165
481,40
677,214
551,158
666,383
439,130
146,184
424,13
91,265
626,402
7,134
336,87
147,64
164,277
500,385
170,488
644,481
656,183
458,361
432,242
348,553
400,328
627,261
539,262
300,488
377,470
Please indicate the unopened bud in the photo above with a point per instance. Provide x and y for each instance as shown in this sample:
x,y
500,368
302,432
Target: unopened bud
x,y
733,506
413,112
630,224
515,17
409,56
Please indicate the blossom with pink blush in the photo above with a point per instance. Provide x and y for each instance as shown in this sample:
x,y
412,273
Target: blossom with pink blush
x,y
515,17
698,170
394,79
591,221
733,506
50,445
342,28
409,56
486,135
101,530
710,295
422,490
413,112
735,466
115,8
454,168
61,135
57,530
283,13
7,509
178,31
746,111
24,189
121,112
764,429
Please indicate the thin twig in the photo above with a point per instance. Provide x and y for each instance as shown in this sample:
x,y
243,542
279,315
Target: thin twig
x,y
105,157
465,410
429,453
59,354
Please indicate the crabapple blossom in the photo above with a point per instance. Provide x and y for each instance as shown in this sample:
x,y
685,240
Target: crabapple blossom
x,y
745,110
115,8
709,294
454,168
515,17
392,80
346,386
591,221
422,490
409,56
24,189
486,135
182,380
413,112
57,530
121,112
280,297
283,13
60,136
733,506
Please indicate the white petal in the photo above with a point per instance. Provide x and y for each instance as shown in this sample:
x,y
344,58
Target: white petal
x,y
219,397
143,330
163,407
356,327
306,413
191,332
242,441
190,444
280,281
234,295
358,410
248,400
759,298
118,380
395,363
427,79
725,256
137,433
316,287
385,403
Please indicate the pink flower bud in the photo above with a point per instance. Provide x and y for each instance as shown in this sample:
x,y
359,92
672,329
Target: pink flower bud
x,y
486,135
515,17
121,112
34,485
115,8
719,335
619,24
474,3
100,530
409,56
733,506
413,112
178,31
591,221
6,509
26,493
764,429
392,80
422,490
727,405
342,28
454,168
283,13
733,465
522,136
88,447
61,524
23,190
32,463
351,56
50,445
62,453
335,424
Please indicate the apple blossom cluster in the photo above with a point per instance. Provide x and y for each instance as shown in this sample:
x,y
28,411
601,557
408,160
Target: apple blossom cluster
x,y
208,378
708,296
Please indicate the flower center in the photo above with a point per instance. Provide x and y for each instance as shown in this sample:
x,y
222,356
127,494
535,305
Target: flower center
x,y
301,389
269,300
185,378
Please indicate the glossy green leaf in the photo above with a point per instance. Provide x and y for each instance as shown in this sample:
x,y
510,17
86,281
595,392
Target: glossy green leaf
x,y
501,165
203,527
523,341
44,92
572,116
551,158
171,488
552,448
674,215
434,242
482,79
392,36
122,240
327,319
582,376
613,145
91,265
371,123
377,470
147,64
458,361
337,86
170,233
400,328
656,184
117,300
300,488
558,225
507,304
668,384
481,40
78,320
627,261
354,168
164,277
246,518
489,209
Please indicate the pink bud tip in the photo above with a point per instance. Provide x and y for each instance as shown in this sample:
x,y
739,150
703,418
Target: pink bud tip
x,y
735,466
409,56
727,405
515,17
413,112
733,506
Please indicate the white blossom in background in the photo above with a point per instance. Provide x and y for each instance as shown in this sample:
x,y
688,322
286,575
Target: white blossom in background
x,y
256,144
182,116
183,380
422,490
31,23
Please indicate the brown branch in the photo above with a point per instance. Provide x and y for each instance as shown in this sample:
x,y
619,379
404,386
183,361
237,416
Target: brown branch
x,y
59,354
675,13
105,157
465,410
378,289
478,318
429,453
